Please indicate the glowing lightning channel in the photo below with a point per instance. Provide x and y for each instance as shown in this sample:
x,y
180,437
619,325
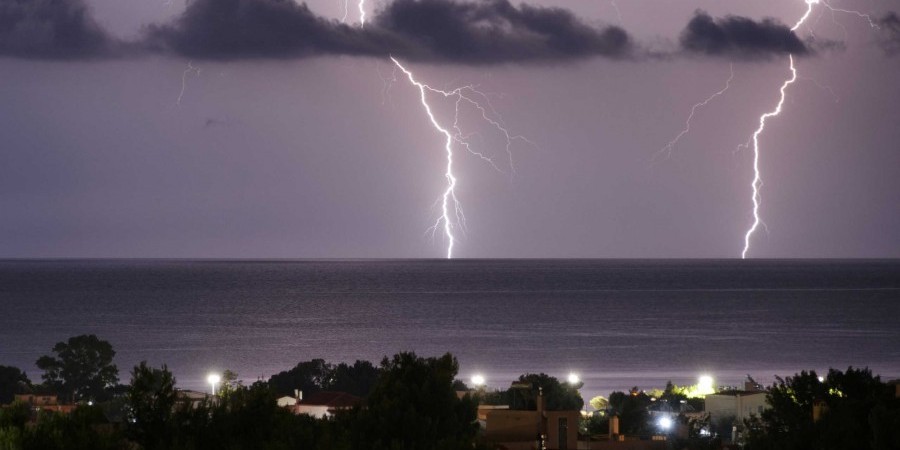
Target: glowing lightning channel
x,y
757,178
346,11
190,69
452,215
362,13
667,149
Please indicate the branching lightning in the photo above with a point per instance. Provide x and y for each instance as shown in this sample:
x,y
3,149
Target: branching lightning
x,y
667,149
757,179
452,217
190,69
756,184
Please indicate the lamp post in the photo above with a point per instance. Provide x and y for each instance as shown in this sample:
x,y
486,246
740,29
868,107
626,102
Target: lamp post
x,y
213,379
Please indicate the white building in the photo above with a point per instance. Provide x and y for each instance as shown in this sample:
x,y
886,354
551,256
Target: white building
x,y
738,404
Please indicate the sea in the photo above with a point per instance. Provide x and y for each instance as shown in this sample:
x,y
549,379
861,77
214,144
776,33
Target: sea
x,y
615,323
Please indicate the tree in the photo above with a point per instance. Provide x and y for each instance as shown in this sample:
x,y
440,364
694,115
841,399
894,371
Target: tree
x,y
414,407
600,403
632,411
848,409
308,377
357,379
557,396
12,381
151,401
82,369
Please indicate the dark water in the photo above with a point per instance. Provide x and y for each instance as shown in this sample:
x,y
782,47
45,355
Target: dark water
x,y
617,323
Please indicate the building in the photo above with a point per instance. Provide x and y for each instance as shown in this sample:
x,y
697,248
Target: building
x,y
737,404
529,429
324,404
43,402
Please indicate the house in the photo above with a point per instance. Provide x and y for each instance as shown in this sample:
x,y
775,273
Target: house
x,y
529,429
43,402
737,404
326,403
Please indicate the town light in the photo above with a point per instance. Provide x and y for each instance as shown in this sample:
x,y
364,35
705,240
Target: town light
x,y
574,378
478,380
665,423
213,379
705,385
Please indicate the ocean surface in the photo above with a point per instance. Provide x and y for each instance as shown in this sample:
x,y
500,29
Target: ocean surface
x,y
618,323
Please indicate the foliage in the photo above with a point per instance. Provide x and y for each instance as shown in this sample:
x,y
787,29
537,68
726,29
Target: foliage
x,y
151,400
12,381
82,369
857,411
414,407
600,403
557,396
632,411
316,375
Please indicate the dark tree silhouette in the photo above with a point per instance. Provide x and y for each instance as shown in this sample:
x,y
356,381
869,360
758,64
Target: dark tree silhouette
x,y
82,369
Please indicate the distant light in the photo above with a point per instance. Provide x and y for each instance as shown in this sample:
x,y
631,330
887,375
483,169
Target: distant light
x,y
821,379
705,385
664,423
478,380
704,432
90,403
213,379
574,378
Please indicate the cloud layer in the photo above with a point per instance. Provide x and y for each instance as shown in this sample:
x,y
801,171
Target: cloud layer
x,y
492,31
440,31
50,29
739,37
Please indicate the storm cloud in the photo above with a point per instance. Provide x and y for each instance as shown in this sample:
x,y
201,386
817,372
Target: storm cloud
x,y
890,33
740,37
51,29
496,31
482,32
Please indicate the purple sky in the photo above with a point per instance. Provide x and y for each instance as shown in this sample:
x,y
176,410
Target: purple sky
x,y
314,157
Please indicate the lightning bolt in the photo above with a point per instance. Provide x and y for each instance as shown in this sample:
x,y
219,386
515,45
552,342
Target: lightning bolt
x,y
452,216
667,149
757,179
756,185
362,13
346,11
190,69
615,6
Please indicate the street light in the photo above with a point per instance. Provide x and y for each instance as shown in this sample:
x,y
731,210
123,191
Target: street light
x,y
574,378
478,380
706,385
213,379
665,423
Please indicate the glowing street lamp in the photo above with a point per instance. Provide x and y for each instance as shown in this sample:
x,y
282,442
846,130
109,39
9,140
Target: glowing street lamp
x,y
574,379
213,379
665,423
478,380
706,385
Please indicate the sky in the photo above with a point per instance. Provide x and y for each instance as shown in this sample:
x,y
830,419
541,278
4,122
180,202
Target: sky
x,y
159,129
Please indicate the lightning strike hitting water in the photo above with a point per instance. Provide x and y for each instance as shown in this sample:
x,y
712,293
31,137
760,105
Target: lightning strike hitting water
x,y
452,216
757,179
667,149
190,69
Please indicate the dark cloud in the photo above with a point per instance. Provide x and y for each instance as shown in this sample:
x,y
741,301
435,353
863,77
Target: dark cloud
x,y
238,29
496,31
50,29
483,32
739,37
890,33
